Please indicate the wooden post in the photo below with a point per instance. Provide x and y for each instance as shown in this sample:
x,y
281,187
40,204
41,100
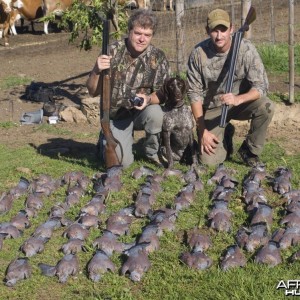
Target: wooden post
x,y
179,13
232,13
291,52
246,4
272,23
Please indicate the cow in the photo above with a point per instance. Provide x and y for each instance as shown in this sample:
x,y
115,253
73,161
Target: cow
x,y
32,10
5,10
165,5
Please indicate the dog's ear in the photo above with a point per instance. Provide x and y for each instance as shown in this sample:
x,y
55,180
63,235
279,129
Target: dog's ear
x,y
165,89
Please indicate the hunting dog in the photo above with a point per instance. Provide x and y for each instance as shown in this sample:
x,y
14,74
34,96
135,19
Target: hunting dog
x,y
177,130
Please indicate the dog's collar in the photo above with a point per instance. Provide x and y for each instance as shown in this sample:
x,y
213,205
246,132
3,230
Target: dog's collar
x,y
179,105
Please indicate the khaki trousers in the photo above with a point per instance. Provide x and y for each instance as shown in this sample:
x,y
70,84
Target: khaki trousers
x,y
258,112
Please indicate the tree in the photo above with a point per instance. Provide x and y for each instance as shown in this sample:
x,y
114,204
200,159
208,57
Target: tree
x,y
85,19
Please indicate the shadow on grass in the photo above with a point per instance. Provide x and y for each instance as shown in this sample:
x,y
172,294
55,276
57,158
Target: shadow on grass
x,y
72,151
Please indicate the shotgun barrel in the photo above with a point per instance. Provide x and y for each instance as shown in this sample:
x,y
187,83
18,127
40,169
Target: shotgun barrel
x,y
235,46
111,157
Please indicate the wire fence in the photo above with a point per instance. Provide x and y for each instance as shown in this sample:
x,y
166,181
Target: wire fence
x,y
271,24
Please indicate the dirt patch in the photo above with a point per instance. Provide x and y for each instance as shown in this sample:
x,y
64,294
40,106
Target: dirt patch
x,y
51,60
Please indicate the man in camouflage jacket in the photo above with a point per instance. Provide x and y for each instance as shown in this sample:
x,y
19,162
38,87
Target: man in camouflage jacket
x,y
137,68
207,74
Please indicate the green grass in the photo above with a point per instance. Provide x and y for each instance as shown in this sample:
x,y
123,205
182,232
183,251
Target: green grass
x,y
276,57
13,81
167,278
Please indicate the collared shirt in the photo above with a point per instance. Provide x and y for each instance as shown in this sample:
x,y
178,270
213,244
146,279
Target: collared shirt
x,y
208,72
129,76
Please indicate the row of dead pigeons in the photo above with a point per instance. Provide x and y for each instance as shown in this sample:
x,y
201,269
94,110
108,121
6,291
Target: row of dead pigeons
x,y
118,224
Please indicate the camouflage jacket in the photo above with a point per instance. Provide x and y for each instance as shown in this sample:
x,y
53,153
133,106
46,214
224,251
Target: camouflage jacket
x,y
208,71
129,76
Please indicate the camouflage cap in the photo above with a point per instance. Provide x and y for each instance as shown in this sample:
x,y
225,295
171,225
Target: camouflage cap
x,y
218,17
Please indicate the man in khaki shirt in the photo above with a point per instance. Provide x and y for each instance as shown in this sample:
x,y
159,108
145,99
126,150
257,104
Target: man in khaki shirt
x,y
207,76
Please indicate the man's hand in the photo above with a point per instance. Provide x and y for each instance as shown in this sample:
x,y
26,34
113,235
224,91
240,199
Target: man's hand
x,y
102,63
208,142
147,101
230,99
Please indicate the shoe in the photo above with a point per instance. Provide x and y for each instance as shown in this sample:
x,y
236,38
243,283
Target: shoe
x,y
228,135
248,157
155,160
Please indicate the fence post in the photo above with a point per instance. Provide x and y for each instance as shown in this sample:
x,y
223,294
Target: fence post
x,y
291,52
272,22
179,13
246,4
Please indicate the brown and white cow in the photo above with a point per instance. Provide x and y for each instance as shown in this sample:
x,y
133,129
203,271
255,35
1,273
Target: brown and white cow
x,y
32,10
5,10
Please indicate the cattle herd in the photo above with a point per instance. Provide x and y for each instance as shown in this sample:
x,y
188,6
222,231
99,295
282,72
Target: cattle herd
x,y
32,10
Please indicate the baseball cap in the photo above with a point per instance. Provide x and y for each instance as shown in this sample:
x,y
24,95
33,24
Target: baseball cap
x,y
218,17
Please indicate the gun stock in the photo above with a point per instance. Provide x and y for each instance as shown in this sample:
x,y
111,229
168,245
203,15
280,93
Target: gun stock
x,y
235,46
111,157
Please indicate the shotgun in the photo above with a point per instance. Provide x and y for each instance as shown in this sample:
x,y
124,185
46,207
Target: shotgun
x,y
235,46
111,158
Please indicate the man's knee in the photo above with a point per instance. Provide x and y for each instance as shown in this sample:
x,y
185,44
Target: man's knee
x,y
154,119
212,160
268,109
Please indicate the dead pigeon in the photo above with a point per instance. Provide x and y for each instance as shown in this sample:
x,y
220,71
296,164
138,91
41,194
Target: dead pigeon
x,y
2,237
296,256
242,236
181,203
277,235
73,246
291,220
258,236
94,207
142,171
222,193
137,262
67,266
290,237
282,181
233,258
6,201
76,231
58,210
143,203
172,172
263,214
219,206
18,269
89,221
292,194
20,221
71,178
72,199
197,241
33,246
220,172
20,189
269,254
98,265
293,205
10,230
150,235
221,222
196,260
109,243
34,201
46,229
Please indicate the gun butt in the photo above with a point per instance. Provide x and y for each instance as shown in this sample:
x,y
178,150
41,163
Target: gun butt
x,y
111,158
251,16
